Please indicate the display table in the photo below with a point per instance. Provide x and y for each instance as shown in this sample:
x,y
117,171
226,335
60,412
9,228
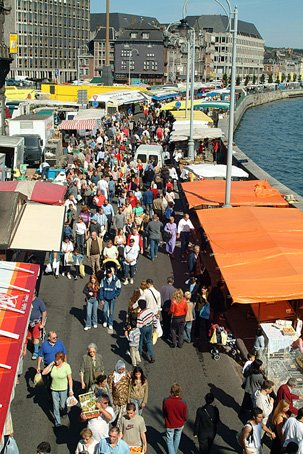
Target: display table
x,y
275,340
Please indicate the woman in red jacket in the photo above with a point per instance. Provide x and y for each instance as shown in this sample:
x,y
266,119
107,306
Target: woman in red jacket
x,y
178,309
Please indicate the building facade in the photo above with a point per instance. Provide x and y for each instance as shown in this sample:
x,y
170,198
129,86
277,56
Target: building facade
x,y
214,49
97,48
50,32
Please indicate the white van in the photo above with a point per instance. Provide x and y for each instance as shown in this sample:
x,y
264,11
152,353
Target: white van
x,y
147,152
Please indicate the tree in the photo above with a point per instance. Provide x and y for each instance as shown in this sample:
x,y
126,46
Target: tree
x,y
254,79
270,78
224,79
262,78
246,80
238,80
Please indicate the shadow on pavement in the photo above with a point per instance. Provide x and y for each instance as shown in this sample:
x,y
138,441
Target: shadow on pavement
x,y
224,398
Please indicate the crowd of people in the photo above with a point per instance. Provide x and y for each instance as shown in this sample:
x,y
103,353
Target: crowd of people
x,y
117,210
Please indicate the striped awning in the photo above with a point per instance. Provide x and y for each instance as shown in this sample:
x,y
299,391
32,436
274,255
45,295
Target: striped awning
x,y
78,124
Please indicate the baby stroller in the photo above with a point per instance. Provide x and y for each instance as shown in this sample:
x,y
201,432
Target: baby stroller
x,y
222,341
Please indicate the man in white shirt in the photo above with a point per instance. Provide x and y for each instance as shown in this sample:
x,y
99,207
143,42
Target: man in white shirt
x,y
152,297
184,227
103,186
293,430
100,425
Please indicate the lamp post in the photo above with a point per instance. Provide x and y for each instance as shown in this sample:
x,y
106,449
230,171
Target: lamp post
x,y
191,145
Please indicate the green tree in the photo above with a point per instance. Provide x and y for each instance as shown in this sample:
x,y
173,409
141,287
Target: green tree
x,y
224,79
254,80
270,78
262,78
238,80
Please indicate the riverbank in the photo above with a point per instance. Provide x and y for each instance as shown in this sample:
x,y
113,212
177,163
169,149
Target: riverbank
x,y
242,160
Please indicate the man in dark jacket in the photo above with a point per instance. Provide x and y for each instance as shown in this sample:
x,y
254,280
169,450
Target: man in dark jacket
x,y
207,418
110,289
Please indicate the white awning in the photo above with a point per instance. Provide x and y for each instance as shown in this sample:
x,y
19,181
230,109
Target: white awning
x,y
215,171
198,134
40,228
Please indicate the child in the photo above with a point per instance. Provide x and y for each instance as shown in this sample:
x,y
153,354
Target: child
x,y
133,336
78,260
189,318
101,387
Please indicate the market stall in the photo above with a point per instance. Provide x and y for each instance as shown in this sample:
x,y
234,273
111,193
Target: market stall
x,y
36,191
215,171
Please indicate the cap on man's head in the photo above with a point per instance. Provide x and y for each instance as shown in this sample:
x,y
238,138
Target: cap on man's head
x,y
109,270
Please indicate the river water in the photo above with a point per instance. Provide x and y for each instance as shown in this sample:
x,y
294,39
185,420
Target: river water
x,y
272,136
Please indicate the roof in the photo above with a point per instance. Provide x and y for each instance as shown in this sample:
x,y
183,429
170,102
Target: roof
x,y
154,35
35,191
243,193
259,251
10,141
219,24
31,117
215,170
8,207
18,281
78,124
101,34
120,21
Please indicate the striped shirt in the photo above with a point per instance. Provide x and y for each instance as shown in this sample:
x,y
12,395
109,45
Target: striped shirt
x,y
145,318
134,337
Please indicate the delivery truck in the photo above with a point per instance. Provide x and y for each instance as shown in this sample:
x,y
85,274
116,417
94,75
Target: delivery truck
x,y
13,149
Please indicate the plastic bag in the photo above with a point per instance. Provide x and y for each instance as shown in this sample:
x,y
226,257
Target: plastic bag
x,y
71,401
159,329
82,270
48,268
38,380
11,447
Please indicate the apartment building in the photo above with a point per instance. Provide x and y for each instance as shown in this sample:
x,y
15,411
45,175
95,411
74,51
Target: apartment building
x,y
50,34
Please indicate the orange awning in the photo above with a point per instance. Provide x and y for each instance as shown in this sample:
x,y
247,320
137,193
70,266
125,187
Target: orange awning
x,y
259,251
243,193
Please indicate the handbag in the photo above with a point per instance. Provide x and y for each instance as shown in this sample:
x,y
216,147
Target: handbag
x,y
69,260
82,270
205,312
48,268
38,380
11,447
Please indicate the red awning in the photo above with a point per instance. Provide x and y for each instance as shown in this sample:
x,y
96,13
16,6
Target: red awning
x,y
36,191
78,124
17,285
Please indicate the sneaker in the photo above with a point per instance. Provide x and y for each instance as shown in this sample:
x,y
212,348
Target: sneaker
x,y
131,281
95,326
75,278
125,282
63,274
104,325
87,328
34,355
68,276
110,327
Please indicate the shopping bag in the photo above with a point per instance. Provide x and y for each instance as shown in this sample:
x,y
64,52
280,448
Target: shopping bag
x,y
82,270
11,447
38,380
213,339
48,268
68,257
159,329
205,312
155,337
71,401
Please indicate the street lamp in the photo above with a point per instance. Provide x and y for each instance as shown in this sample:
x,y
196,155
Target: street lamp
x,y
130,54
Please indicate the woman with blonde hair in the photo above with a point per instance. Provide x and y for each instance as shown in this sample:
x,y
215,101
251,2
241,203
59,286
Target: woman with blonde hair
x,y
88,444
178,309
278,419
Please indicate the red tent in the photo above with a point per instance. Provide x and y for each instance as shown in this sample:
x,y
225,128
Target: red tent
x,y
36,191
17,285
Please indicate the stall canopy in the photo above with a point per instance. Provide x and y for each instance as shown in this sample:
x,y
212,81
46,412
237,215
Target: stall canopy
x,y
88,125
199,133
36,191
17,285
8,209
198,115
40,228
182,106
201,119
215,171
259,251
243,193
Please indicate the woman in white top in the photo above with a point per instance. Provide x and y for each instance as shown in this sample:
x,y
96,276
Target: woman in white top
x,y
110,251
130,260
88,444
67,249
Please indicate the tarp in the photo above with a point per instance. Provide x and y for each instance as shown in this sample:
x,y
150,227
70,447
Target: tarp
x,y
198,115
243,193
18,281
40,228
172,105
8,209
78,124
36,191
215,171
199,133
201,119
259,251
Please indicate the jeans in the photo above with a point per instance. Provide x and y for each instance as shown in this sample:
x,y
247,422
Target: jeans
x,y
173,437
111,195
44,173
149,209
108,311
59,403
137,402
80,242
146,338
129,270
177,327
187,331
184,237
91,312
154,244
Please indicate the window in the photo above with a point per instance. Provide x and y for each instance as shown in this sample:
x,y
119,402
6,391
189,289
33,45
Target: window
x,y
123,65
145,35
146,65
154,65
133,35
150,55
